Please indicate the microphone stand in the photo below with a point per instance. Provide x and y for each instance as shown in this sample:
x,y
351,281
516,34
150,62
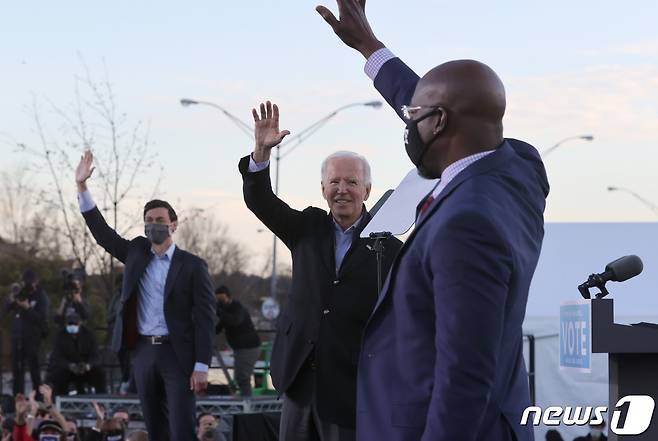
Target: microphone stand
x,y
378,248
593,281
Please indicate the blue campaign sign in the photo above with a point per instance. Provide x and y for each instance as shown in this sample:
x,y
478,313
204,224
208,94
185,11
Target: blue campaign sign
x,y
576,335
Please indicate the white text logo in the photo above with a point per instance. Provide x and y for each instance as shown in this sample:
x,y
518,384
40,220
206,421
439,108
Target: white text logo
x,y
631,416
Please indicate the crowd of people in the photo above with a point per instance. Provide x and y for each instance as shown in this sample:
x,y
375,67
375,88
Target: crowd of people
x,y
42,421
74,364
75,358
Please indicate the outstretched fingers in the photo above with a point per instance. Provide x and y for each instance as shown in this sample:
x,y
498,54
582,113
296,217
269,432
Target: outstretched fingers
x,y
268,107
328,16
275,114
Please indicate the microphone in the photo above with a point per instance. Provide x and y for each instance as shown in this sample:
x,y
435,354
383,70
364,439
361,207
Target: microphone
x,y
623,268
618,270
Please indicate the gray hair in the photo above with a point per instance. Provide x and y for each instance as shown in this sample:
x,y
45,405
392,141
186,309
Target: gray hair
x,y
347,154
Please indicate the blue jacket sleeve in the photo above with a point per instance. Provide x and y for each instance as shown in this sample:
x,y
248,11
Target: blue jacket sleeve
x,y
470,290
396,83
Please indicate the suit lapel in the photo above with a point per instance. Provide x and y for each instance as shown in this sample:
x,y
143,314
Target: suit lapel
x,y
137,271
483,165
326,246
479,167
174,268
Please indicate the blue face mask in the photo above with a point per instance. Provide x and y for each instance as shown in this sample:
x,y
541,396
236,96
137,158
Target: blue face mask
x,y
44,437
72,329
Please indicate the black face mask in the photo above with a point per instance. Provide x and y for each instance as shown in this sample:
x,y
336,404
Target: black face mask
x,y
415,146
156,233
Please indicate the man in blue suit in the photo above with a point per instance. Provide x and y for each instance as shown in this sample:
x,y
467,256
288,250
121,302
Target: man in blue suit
x,y
442,354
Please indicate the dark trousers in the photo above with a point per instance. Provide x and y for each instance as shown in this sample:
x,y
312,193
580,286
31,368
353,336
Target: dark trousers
x,y
124,362
61,379
168,404
299,417
25,356
245,360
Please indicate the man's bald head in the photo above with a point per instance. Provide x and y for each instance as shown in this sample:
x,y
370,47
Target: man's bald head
x,y
471,102
467,87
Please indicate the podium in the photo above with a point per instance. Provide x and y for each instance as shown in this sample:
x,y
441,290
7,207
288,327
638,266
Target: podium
x,y
632,363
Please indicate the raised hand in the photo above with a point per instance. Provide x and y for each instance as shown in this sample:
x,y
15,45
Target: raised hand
x,y
267,130
84,169
100,414
47,394
353,27
33,401
21,406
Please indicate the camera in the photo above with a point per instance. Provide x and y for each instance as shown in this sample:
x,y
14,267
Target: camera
x,y
71,281
24,293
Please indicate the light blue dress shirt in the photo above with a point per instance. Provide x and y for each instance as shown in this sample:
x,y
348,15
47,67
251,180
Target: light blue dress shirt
x,y
343,241
150,307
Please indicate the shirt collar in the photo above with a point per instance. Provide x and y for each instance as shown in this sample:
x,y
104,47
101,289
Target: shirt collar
x,y
169,253
339,229
455,168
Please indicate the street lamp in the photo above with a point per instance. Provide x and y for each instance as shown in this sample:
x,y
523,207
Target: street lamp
x,y
246,128
650,205
570,138
290,144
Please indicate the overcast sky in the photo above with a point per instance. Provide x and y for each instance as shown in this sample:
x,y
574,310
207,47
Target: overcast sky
x,y
570,68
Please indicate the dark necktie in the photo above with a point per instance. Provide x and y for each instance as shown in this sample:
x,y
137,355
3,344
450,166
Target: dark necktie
x,y
426,204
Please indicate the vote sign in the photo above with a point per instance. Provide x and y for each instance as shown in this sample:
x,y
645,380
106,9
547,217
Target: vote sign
x,y
576,335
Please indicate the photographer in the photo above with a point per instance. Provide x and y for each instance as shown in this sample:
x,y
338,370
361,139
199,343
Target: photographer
x,y
241,337
29,306
72,301
75,359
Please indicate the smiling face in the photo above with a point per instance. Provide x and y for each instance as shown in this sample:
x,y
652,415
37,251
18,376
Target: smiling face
x,y
344,188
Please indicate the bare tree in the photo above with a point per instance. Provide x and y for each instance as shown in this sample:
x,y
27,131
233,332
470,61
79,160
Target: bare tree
x,y
123,158
16,204
202,234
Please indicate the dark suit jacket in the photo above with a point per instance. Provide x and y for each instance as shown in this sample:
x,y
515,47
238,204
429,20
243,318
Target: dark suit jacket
x,y
67,349
189,305
442,356
325,311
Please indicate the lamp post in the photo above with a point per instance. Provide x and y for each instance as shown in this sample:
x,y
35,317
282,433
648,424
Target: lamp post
x,y
246,128
290,144
559,143
650,205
